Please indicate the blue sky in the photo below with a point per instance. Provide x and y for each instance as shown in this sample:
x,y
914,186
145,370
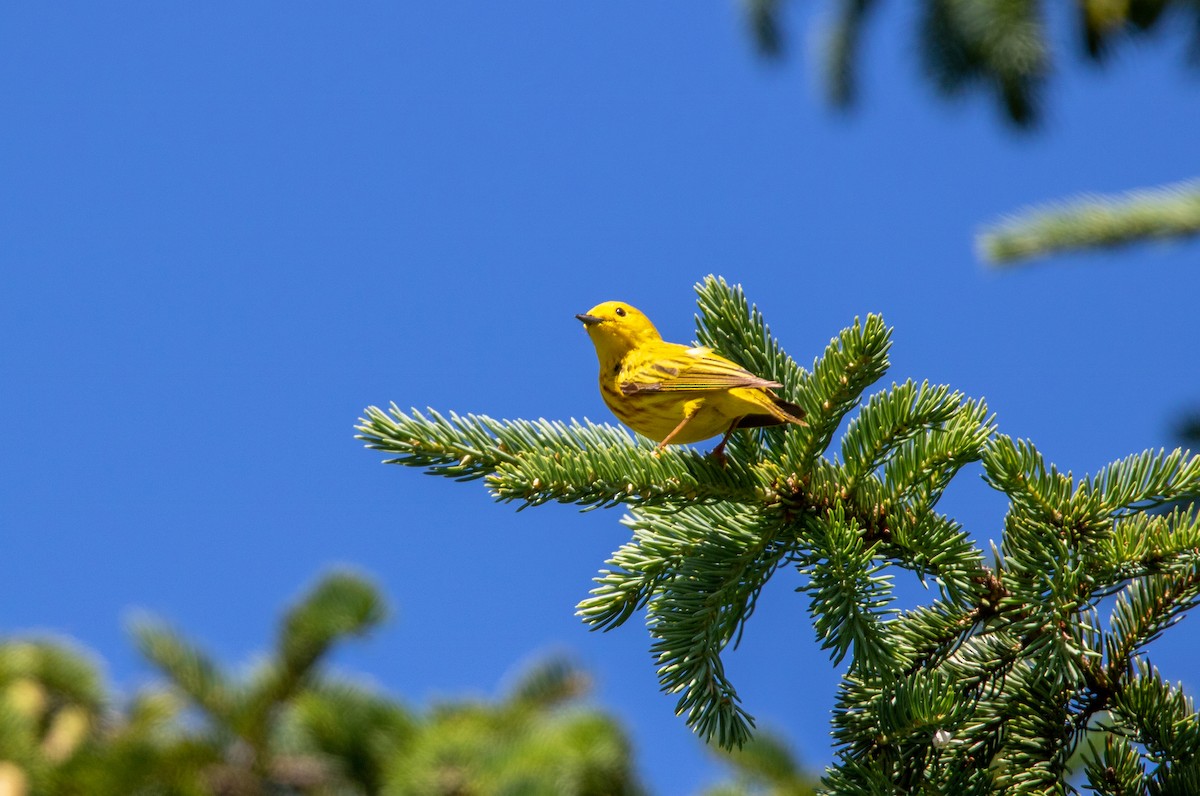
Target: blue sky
x,y
227,228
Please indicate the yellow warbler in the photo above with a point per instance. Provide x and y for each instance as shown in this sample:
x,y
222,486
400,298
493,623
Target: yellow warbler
x,y
672,393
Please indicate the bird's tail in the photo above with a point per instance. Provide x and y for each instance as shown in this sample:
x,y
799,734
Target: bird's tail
x,y
781,412
793,413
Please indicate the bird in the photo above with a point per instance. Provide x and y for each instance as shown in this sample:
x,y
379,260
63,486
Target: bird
x,y
677,394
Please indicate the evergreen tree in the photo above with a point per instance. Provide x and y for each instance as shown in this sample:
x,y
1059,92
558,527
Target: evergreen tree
x,y
989,688
289,729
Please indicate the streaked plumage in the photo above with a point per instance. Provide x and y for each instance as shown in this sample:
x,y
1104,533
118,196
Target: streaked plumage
x,y
672,393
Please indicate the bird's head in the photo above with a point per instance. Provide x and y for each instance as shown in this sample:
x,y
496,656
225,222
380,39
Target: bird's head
x,y
616,328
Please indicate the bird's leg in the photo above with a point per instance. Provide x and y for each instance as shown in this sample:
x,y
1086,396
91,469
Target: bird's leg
x,y
688,413
718,452
667,439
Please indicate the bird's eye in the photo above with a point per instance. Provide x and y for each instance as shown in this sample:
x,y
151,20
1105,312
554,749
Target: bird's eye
x,y
620,311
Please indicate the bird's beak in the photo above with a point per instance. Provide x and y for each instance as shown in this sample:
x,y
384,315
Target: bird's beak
x,y
588,320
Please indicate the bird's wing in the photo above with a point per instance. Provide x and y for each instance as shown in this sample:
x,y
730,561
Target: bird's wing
x,y
672,367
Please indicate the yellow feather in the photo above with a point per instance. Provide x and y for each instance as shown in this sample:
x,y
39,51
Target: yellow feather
x,y
676,394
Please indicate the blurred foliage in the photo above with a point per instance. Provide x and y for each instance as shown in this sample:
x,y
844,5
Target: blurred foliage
x,y
1000,47
1005,49
290,729
1171,212
1188,428
764,766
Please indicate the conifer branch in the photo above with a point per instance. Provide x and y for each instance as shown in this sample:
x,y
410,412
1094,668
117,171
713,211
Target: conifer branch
x,y
889,419
1163,718
919,470
462,448
535,462
841,45
993,42
1117,770
1179,776
730,324
852,362
604,477
980,665
1095,222
549,684
1144,610
994,684
763,19
65,674
926,636
1147,480
349,724
190,670
1032,756
699,572
696,612
996,46
662,541
1018,470
340,605
909,534
929,543
1141,544
849,593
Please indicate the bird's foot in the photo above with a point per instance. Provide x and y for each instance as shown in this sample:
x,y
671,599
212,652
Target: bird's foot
x,y
718,454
